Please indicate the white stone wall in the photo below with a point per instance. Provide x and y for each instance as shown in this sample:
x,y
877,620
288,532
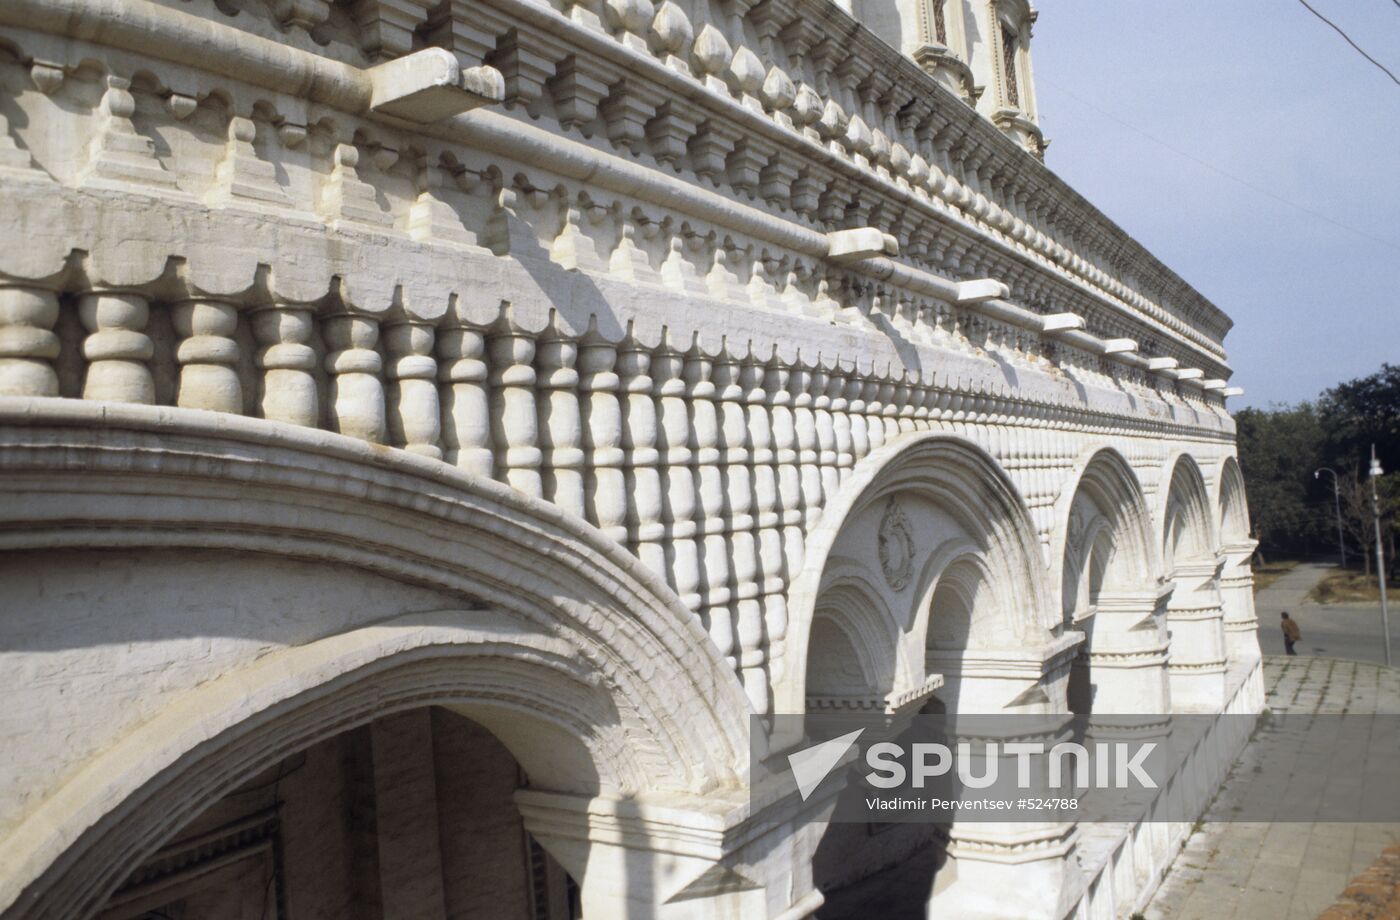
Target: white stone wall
x,y
569,363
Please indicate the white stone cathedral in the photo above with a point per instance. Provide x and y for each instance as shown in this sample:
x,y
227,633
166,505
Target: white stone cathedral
x,y
430,430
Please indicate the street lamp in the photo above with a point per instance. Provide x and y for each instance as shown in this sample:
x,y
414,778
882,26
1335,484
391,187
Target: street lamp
x,y
1337,502
1380,550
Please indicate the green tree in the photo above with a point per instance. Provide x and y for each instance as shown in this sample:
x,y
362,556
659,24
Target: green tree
x,y
1279,450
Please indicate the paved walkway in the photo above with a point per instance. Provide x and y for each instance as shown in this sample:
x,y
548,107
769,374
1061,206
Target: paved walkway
x,y
1350,631
1283,871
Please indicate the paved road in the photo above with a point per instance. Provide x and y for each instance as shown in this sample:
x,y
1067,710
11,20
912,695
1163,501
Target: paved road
x,y
1351,631
1231,870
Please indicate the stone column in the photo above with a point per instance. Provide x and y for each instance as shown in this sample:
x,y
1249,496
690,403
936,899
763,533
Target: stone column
x,y
1127,654
1237,599
1005,870
1196,663
658,862
28,345
117,348
289,391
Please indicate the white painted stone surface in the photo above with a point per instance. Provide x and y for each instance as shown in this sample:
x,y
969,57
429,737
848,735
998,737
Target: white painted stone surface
x,y
603,374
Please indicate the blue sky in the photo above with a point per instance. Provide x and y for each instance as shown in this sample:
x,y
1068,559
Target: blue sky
x,y
1267,93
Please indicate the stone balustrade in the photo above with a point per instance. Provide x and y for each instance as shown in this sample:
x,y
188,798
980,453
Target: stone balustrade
x,y
709,466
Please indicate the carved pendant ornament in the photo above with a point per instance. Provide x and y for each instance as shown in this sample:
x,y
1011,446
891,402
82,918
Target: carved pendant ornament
x,y
896,547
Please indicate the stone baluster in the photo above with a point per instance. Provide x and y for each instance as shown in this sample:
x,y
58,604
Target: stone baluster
x,y
905,405
28,344
561,424
787,554
514,420
855,410
828,472
604,485
874,394
678,504
356,392
737,464
117,348
890,405
208,356
838,385
289,392
806,390
709,483
415,418
466,409
768,536
642,478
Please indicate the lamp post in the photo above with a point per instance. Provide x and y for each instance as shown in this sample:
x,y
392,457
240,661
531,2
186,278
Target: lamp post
x,y
1380,550
1337,504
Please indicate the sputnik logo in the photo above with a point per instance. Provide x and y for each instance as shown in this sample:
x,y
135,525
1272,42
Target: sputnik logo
x,y
811,765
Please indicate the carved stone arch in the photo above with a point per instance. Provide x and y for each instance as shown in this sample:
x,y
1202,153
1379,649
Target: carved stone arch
x,y
1104,558
851,620
1193,562
963,591
580,660
1104,492
1187,516
1234,510
959,480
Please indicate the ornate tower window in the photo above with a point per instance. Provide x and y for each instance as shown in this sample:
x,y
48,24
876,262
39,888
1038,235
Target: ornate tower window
x,y
1009,45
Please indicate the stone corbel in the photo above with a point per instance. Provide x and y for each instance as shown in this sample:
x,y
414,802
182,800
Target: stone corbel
x,y
860,243
431,85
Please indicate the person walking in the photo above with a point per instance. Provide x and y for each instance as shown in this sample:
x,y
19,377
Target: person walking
x,y
1291,633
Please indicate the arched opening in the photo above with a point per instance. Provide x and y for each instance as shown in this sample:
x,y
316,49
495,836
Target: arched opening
x,y
1109,591
1237,576
926,580
409,815
233,616
1191,560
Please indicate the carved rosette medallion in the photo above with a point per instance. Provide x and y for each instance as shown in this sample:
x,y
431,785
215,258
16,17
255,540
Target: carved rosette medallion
x,y
896,547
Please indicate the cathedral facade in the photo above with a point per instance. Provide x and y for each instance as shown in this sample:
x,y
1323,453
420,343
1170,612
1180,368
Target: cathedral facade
x,y
437,435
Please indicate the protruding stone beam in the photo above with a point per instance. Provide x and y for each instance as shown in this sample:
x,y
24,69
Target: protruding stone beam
x,y
1006,312
1188,373
431,85
1213,384
1232,391
1157,365
1119,347
1061,322
981,290
860,243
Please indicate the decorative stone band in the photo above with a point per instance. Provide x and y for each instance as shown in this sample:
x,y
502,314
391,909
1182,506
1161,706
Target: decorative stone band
x,y
415,86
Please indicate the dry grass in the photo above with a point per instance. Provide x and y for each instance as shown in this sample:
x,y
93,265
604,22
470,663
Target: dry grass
x,y
1267,574
1346,587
